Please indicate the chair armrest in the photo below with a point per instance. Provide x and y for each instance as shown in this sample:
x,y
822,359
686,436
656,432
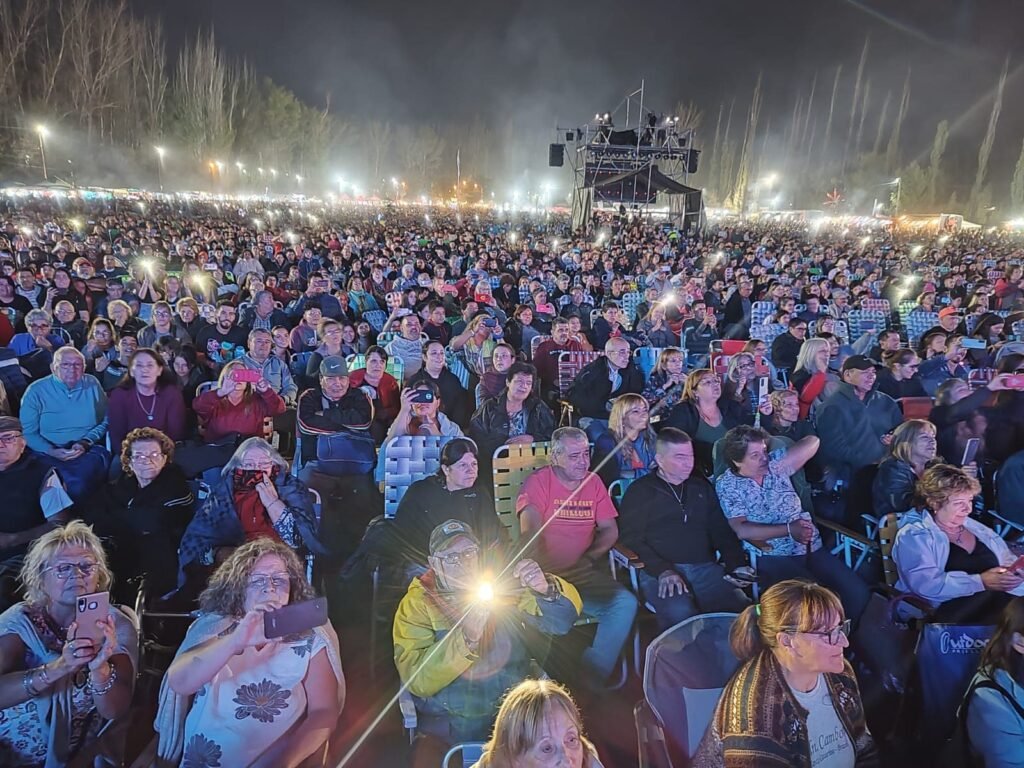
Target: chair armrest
x,y
847,532
764,546
624,557
408,708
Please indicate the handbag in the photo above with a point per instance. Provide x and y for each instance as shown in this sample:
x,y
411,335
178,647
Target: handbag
x,y
346,453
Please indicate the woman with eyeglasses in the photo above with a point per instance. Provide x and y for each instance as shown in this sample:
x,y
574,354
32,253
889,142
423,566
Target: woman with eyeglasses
x,y
742,383
256,496
665,386
233,697
626,450
59,687
899,377
144,512
40,337
795,699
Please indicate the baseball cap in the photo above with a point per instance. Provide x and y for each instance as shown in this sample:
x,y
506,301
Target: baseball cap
x,y
333,365
10,424
946,312
857,363
447,532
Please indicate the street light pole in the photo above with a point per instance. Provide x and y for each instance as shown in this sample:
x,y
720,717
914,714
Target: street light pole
x,y
41,131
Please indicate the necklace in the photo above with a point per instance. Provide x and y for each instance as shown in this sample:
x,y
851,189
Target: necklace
x,y
678,496
959,532
152,409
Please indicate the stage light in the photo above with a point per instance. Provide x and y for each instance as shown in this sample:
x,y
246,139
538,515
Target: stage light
x,y
257,223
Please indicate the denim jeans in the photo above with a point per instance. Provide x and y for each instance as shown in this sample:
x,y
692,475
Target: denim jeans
x,y
84,474
709,592
614,607
824,568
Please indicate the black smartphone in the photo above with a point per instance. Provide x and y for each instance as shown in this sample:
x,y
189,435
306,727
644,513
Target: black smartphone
x,y
295,618
421,396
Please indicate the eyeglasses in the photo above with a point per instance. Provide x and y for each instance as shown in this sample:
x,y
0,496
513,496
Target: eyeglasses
x,y
10,439
251,465
71,366
38,326
464,557
276,582
832,635
149,458
63,571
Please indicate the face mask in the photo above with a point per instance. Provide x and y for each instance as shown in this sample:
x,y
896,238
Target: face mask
x,y
248,479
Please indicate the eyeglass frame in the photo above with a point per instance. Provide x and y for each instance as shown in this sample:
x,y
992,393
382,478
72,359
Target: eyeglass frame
x,y
844,628
276,581
85,569
151,458
465,557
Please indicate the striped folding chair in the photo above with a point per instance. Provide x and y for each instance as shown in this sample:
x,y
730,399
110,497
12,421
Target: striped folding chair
x,y
394,366
569,366
760,311
918,324
512,464
407,459
376,318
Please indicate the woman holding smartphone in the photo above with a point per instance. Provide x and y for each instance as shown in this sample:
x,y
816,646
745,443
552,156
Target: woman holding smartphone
x,y
233,697
239,404
62,680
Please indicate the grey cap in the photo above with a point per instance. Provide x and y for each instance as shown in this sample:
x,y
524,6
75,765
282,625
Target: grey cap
x,y
333,365
447,532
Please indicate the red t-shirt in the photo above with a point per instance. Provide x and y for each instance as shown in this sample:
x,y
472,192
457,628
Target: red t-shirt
x,y
570,533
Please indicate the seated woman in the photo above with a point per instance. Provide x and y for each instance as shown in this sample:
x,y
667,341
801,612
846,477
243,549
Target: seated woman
x,y
517,415
995,697
455,492
256,496
626,450
537,724
236,407
382,389
899,377
149,396
911,451
329,333
654,329
764,509
794,687
989,330
493,382
144,512
125,323
233,697
741,381
955,563
705,415
422,416
811,378
62,688
665,386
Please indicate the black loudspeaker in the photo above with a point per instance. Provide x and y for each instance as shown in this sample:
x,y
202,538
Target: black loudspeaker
x,y
570,135
691,160
556,155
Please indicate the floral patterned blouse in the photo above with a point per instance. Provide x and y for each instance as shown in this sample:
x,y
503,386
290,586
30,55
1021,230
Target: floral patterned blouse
x,y
250,704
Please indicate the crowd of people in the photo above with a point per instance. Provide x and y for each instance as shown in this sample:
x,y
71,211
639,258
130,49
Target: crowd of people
x,y
196,409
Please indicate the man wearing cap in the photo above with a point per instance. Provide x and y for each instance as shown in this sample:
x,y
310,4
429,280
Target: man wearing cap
x,y
855,422
459,635
331,407
35,501
949,319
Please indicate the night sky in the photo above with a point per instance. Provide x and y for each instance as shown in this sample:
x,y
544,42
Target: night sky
x,y
530,64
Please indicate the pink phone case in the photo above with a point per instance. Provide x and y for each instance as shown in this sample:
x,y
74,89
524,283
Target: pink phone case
x,y
88,610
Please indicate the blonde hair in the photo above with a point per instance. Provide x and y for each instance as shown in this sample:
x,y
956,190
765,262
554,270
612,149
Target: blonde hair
x,y
37,560
667,354
808,355
693,381
522,715
617,416
791,605
905,435
941,481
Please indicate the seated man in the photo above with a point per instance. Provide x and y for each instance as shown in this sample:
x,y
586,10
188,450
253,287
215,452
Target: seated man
x,y
34,502
409,346
672,520
603,380
546,356
459,648
65,418
568,512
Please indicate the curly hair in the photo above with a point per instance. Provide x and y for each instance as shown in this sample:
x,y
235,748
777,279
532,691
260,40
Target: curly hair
x,y
941,481
37,560
145,434
225,592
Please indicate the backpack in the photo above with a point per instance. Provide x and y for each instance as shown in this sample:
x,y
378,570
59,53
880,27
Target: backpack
x,y
957,751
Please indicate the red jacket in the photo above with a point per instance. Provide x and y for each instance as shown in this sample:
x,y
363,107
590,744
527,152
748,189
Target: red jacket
x,y
220,417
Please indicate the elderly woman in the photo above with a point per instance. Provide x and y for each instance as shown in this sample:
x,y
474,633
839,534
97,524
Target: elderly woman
x,y
811,377
145,511
65,417
256,497
911,451
232,697
538,725
516,415
654,329
149,396
125,323
626,450
758,499
794,690
705,415
236,407
957,564
665,386
36,347
59,686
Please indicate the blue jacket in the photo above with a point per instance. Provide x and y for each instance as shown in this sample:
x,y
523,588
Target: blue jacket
x,y
994,726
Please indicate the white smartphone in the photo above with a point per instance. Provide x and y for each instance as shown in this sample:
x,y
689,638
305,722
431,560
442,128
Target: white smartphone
x,y
762,388
970,451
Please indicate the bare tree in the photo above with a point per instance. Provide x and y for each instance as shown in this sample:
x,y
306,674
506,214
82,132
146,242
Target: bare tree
x,y
977,199
935,160
1017,184
738,198
199,96
377,136
422,149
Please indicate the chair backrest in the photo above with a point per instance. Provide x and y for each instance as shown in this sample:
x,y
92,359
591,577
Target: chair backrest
x,y
720,364
732,346
297,363
395,365
407,459
569,366
512,465
646,359
916,407
206,386
630,301
860,319
594,314
760,310
875,305
918,323
888,527
457,365
386,337
618,489
535,342
689,664
979,377
468,753
376,318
